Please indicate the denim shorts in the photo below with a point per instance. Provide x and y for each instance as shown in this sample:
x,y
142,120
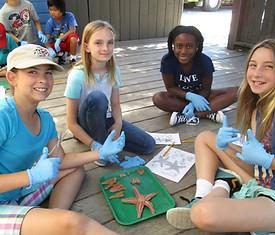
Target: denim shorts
x,y
12,213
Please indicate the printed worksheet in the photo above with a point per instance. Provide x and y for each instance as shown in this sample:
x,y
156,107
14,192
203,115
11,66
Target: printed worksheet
x,y
173,165
166,138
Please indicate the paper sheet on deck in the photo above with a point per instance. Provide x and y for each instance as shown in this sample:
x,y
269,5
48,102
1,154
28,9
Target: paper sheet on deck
x,y
166,138
174,165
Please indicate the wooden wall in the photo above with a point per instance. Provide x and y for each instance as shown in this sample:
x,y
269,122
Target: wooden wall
x,y
132,19
252,21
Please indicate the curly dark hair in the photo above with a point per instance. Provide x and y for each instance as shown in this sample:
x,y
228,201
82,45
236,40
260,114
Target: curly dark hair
x,y
185,29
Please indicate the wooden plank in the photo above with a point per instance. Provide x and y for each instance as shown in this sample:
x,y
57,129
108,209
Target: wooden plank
x,y
144,19
134,19
115,17
161,18
124,30
152,27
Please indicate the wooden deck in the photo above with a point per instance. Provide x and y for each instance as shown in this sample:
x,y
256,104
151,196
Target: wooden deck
x,y
139,62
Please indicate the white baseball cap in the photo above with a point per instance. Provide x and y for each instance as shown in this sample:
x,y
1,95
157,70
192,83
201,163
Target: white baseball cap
x,y
30,55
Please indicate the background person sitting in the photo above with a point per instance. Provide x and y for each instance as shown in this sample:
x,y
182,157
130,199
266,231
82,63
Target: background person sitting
x,y
61,30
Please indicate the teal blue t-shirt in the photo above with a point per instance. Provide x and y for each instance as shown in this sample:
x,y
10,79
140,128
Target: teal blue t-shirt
x,y
11,44
19,148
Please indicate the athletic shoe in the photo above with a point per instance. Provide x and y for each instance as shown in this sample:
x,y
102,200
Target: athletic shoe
x,y
193,121
177,118
216,117
234,181
100,163
179,217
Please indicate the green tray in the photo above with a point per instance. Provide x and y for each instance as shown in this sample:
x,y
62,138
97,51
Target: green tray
x,y
4,83
125,213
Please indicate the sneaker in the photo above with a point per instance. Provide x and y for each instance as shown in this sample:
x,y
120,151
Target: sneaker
x,y
72,61
193,121
100,163
216,117
177,118
179,217
234,181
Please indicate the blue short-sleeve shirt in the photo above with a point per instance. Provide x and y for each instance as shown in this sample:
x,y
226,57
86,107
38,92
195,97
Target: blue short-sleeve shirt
x,y
19,148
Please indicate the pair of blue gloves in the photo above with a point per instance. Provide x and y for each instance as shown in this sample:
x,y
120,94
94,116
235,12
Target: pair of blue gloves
x,y
42,37
108,151
46,169
197,102
252,152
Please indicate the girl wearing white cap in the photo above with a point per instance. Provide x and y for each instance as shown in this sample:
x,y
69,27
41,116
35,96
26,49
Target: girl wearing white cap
x,y
28,171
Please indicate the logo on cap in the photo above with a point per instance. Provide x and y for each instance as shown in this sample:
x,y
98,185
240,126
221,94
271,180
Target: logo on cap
x,y
41,52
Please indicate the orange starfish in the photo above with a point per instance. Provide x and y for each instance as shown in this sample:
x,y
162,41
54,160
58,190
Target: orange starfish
x,y
140,201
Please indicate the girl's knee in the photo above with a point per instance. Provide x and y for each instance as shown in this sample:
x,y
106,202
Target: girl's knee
x,y
203,216
97,98
73,40
204,137
150,145
73,222
155,98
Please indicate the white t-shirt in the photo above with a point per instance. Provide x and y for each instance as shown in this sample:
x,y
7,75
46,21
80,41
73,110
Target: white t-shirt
x,y
77,88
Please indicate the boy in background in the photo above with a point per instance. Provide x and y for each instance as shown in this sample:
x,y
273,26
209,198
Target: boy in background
x,y
61,30
7,44
18,17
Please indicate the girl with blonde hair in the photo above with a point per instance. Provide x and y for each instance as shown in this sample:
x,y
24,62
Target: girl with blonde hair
x,y
92,92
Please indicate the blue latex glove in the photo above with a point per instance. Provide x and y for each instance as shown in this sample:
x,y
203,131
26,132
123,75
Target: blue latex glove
x,y
188,110
52,52
132,161
42,37
110,148
97,146
22,43
57,44
198,101
254,153
46,169
226,135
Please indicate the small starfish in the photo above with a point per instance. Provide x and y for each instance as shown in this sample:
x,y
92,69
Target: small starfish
x,y
174,166
140,201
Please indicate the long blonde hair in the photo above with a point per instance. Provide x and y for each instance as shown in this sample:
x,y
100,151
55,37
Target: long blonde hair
x,y
86,58
248,101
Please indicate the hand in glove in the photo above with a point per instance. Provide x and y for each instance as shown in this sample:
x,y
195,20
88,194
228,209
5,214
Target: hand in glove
x,y
226,135
198,101
254,153
52,52
57,44
110,148
22,43
188,110
46,169
42,37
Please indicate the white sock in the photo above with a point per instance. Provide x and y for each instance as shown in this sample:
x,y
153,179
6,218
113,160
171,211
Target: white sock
x,y
203,187
222,184
72,57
